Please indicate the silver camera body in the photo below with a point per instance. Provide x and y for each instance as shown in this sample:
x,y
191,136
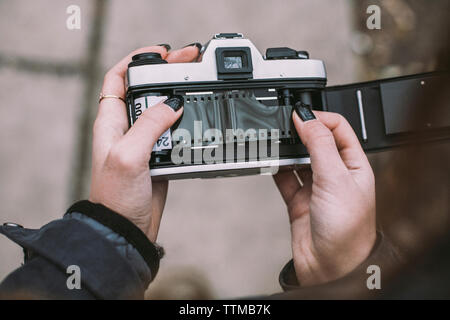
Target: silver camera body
x,y
238,105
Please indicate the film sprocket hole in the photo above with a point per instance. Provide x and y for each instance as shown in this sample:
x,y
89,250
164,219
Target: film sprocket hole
x,y
237,117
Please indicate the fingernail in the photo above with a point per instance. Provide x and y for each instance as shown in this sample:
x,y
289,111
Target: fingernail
x,y
196,44
175,102
304,111
167,46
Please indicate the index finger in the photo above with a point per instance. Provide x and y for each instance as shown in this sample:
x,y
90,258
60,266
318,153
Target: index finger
x,y
187,54
347,142
331,142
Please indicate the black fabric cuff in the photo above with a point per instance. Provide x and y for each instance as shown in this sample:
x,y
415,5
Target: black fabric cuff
x,y
124,228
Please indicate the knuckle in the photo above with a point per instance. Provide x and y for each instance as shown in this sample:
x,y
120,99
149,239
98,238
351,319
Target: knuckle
x,y
121,160
108,76
339,117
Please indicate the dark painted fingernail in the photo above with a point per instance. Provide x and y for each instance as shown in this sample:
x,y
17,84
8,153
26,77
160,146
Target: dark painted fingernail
x,y
175,102
196,44
304,111
167,46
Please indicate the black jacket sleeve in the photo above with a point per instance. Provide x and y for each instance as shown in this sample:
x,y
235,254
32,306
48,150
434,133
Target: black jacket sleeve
x,y
115,259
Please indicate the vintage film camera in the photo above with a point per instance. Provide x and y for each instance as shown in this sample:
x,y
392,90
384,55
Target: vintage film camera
x,y
236,100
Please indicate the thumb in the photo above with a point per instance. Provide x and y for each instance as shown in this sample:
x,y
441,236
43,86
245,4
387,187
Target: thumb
x,y
153,122
320,143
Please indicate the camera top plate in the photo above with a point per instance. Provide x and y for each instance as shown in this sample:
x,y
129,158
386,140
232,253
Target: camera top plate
x,y
206,70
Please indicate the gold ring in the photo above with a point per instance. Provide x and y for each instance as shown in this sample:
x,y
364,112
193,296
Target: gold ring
x,y
108,96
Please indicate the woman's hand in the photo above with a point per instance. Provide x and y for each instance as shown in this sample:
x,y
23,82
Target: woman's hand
x,y
332,210
120,158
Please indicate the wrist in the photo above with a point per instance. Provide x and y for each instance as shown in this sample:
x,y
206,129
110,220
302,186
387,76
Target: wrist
x,y
139,218
315,265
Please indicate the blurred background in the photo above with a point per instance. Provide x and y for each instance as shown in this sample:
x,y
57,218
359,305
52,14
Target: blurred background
x,y
224,237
